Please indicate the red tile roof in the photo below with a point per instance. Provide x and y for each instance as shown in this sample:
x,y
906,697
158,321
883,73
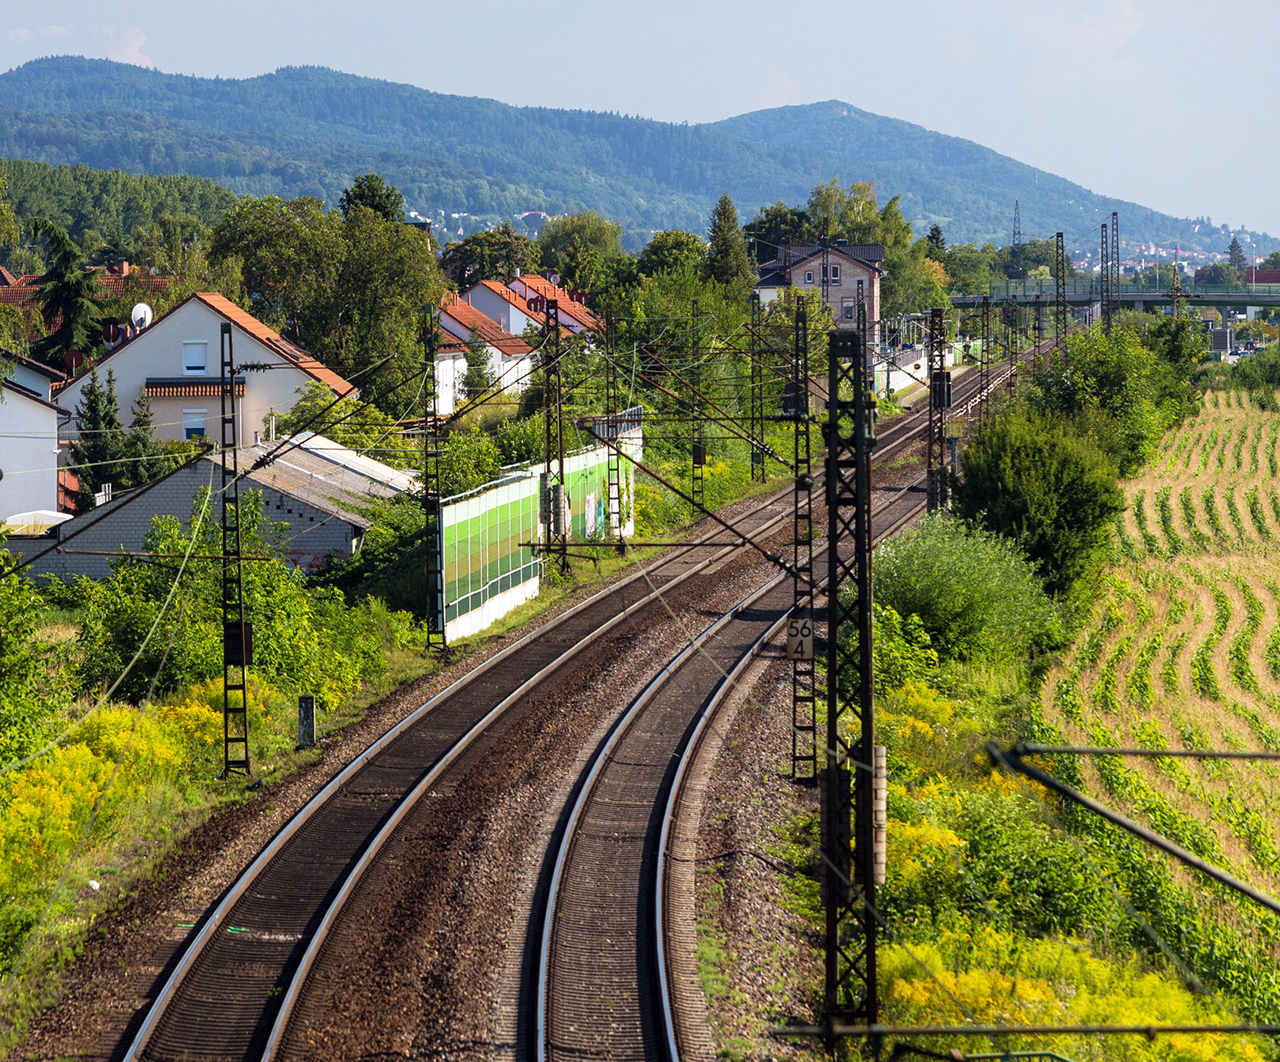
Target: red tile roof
x,y
518,301
220,304
567,307
25,290
227,309
488,329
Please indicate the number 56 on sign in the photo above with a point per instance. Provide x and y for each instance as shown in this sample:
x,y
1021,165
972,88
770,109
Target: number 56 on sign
x,y
799,638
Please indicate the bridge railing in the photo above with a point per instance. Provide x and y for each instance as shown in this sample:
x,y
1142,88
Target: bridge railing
x,y
1082,287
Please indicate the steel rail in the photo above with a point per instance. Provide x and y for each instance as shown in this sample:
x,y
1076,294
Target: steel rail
x,y
237,891
604,754
675,795
211,923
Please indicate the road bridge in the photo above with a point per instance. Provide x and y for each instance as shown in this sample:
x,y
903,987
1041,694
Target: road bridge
x,y
1085,291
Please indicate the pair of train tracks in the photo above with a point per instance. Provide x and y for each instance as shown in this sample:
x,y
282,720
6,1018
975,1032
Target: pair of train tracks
x,y
603,983
235,986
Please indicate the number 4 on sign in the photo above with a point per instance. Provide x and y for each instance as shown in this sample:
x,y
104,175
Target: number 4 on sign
x,y
799,639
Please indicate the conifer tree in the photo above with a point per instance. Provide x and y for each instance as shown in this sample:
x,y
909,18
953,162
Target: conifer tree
x,y
1235,254
68,297
146,461
727,259
100,451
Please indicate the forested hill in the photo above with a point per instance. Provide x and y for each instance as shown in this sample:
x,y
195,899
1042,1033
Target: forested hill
x,y
98,206
311,130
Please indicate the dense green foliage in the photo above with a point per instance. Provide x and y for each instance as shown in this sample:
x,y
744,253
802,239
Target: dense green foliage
x,y
68,297
350,290
105,211
349,422
972,591
304,639
495,254
310,131
1045,487
104,451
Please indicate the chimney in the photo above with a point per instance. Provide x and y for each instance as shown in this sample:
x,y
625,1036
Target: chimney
x,y
123,267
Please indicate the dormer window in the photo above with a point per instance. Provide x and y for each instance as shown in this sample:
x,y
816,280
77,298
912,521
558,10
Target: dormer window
x,y
194,358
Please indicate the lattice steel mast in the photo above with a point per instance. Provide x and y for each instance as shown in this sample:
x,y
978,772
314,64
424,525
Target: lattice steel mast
x,y
237,632
804,696
848,873
939,403
755,426
557,503
432,445
1104,277
698,428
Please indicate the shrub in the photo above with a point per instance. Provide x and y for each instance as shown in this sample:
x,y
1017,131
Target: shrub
x,y
1044,487
972,591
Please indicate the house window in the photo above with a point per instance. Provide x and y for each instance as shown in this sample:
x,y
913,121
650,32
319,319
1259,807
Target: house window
x,y
808,276
846,309
835,274
194,355
193,422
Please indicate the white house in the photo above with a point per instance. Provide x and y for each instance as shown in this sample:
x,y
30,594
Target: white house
x,y
502,305
31,374
177,364
571,306
29,451
510,357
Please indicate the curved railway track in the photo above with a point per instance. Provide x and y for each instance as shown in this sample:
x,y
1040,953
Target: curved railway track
x,y
602,989
223,995
230,992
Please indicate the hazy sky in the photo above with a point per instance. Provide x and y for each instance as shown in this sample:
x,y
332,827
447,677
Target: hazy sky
x,y
1168,103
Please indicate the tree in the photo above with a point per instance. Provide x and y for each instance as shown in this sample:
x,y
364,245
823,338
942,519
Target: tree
x,y
577,247
100,451
1235,255
670,251
68,297
492,255
773,227
727,260
348,422
10,230
290,252
848,214
937,243
1048,489
1223,274
479,377
370,190
349,290
146,458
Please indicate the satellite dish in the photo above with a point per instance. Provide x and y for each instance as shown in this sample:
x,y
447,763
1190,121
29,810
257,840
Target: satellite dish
x,y
141,316
155,272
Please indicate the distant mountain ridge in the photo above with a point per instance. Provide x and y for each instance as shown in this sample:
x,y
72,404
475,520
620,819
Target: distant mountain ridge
x,y
310,130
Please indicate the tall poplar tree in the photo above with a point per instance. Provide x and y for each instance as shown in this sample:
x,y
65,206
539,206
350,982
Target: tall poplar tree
x,y
727,259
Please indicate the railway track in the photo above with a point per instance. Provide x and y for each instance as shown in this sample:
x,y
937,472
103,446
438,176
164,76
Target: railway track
x,y
231,992
602,986
223,996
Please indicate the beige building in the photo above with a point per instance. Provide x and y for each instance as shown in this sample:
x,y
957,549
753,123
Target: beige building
x,y
176,363
853,278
